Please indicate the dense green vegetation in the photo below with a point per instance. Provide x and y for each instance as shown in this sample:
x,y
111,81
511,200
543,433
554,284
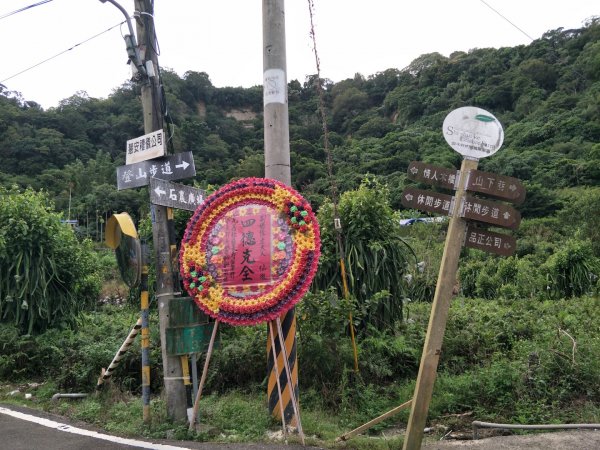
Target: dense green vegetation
x,y
46,275
522,339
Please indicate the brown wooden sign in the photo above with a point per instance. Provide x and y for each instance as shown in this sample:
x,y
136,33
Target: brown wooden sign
x,y
435,175
427,201
499,214
500,186
488,241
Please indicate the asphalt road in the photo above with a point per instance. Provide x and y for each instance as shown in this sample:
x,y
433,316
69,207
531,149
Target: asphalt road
x,y
22,428
26,429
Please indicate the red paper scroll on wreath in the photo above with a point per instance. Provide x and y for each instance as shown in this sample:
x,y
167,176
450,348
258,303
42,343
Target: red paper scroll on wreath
x,y
250,251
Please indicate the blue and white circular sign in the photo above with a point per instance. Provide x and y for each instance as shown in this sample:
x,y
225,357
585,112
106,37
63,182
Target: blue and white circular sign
x,y
473,132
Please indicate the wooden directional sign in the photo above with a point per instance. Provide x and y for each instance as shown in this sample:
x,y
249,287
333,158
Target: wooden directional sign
x,y
428,201
175,195
171,167
438,176
500,186
490,212
488,241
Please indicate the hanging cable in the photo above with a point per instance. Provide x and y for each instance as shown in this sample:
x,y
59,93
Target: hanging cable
x,y
337,223
154,44
61,53
504,17
4,16
574,71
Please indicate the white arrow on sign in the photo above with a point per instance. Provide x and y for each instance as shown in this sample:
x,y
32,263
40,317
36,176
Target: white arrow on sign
x,y
173,195
184,165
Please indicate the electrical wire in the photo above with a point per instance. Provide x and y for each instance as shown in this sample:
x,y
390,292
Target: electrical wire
x,y
504,17
154,44
574,71
61,53
4,16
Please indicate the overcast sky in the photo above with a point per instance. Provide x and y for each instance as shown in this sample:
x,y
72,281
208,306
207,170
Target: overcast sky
x,y
224,38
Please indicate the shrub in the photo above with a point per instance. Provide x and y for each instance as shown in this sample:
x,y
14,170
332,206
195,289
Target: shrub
x,y
573,270
46,276
375,255
582,212
507,278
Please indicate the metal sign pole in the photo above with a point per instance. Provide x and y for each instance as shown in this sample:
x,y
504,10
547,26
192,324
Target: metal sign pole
x,y
145,338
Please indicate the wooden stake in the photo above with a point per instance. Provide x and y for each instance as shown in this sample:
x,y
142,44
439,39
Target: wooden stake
x,y
203,378
276,365
381,418
289,379
346,297
439,315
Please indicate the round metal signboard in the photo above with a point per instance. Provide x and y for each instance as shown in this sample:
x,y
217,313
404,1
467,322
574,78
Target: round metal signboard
x,y
122,236
129,260
473,132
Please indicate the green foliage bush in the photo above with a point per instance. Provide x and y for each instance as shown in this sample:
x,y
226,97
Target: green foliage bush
x,y
47,277
375,254
427,242
581,214
573,270
509,278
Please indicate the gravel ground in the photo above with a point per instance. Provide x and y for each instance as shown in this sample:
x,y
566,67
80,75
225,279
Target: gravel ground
x,y
564,440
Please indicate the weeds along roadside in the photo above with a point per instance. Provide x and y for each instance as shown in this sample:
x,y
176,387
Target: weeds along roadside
x,y
517,361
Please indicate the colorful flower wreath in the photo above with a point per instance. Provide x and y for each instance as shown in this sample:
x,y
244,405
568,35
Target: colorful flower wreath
x,y
250,251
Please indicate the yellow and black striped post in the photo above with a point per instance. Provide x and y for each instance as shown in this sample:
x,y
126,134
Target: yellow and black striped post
x,y
187,381
145,316
288,326
106,374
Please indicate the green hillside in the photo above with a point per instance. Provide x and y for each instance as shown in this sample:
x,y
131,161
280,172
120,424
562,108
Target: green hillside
x,y
545,94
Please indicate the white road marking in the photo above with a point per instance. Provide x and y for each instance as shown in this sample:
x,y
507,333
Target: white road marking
x,y
93,434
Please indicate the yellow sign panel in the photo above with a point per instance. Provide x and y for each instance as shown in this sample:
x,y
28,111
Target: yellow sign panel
x,y
117,225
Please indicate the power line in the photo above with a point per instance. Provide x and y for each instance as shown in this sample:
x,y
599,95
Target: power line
x,y
63,52
575,71
497,12
24,9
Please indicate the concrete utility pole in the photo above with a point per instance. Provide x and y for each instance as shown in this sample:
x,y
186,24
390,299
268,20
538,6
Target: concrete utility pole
x,y
277,167
276,120
175,392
